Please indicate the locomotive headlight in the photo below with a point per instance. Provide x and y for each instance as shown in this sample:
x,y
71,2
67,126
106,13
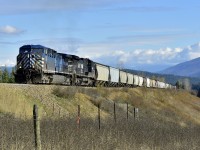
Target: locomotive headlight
x,y
42,58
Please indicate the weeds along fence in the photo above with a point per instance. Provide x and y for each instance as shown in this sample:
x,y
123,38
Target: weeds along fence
x,y
116,111
81,133
38,126
36,120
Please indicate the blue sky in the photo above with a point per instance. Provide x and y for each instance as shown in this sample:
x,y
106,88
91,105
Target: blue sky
x,y
146,35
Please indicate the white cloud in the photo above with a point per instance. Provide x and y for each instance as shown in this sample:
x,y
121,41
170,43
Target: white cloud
x,y
178,50
194,55
7,62
164,56
10,30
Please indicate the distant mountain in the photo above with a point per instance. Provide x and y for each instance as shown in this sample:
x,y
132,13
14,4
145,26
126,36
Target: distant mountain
x,y
190,68
9,68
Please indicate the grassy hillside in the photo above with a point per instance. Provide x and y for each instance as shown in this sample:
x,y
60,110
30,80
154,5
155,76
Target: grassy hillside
x,y
167,119
62,100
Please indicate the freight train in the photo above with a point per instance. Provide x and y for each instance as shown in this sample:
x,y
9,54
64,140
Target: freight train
x,y
39,64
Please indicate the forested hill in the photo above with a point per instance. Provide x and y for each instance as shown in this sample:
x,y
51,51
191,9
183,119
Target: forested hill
x,y
172,79
188,68
8,68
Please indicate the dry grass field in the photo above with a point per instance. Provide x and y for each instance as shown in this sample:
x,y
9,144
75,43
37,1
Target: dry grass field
x,y
167,119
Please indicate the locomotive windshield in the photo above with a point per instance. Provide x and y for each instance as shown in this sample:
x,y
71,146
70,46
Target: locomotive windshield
x,y
24,50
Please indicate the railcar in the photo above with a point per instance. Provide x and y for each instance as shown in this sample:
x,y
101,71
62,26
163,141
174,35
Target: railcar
x,y
148,81
114,76
102,74
136,80
129,79
141,81
123,78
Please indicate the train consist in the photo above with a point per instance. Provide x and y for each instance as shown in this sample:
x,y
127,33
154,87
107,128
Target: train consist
x,y
39,64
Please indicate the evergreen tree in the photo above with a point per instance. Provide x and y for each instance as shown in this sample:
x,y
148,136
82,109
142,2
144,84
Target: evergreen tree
x,y
178,84
12,76
161,79
5,75
0,75
153,77
198,94
186,84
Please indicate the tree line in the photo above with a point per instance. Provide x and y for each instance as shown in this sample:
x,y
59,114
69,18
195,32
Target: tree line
x,y
6,76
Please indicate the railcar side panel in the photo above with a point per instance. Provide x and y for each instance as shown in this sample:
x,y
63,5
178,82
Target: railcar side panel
x,y
161,85
114,75
141,80
130,78
136,80
154,83
151,82
102,72
123,77
148,82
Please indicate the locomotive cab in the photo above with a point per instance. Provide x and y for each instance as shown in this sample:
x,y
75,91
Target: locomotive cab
x,y
30,63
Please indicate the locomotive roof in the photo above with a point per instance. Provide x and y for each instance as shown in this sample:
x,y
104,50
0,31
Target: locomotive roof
x,y
69,56
34,46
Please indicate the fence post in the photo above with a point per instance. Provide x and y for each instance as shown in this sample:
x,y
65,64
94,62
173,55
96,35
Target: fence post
x,y
137,113
114,113
134,113
53,109
59,112
36,128
78,117
99,117
127,112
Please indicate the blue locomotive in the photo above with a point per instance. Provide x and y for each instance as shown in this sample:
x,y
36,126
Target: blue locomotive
x,y
39,64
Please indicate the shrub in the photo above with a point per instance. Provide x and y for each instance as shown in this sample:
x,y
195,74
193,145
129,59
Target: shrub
x,y
64,92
